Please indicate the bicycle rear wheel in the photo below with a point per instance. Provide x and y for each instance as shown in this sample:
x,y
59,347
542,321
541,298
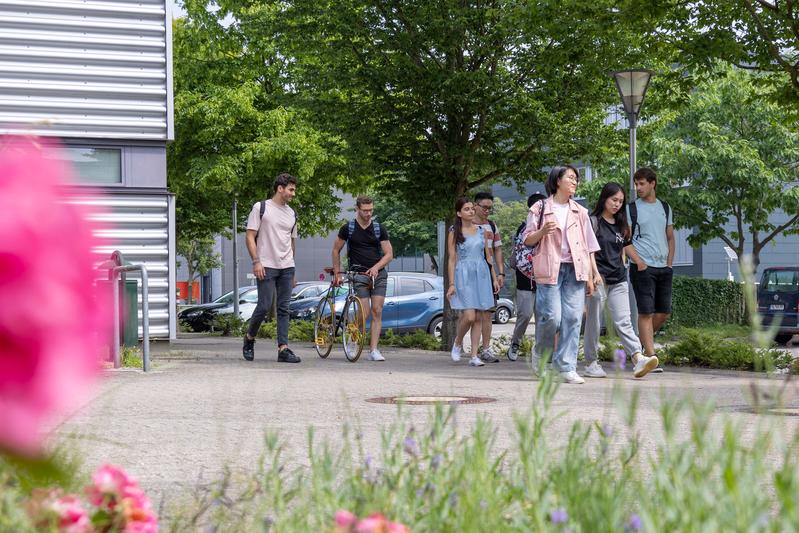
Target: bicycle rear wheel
x,y
324,333
353,335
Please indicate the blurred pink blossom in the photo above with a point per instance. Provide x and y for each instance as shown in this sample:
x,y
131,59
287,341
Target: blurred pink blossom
x,y
49,509
119,494
346,522
52,324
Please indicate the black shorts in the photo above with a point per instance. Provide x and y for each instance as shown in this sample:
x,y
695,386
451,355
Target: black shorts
x,y
652,288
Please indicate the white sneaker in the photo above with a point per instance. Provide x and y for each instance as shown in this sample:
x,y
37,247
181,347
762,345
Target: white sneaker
x,y
456,353
475,361
594,370
572,377
375,355
488,356
644,365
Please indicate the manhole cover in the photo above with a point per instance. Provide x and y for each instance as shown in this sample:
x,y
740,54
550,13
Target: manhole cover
x,y
425,400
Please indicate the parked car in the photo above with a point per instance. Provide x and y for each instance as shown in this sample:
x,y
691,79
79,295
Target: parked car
x,y
199,317
778,301
414,302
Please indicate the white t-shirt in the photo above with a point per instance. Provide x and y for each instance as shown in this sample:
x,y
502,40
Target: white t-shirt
x,y
275,232
562,215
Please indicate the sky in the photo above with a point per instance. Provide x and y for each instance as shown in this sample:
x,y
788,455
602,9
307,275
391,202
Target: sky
x,y
176,11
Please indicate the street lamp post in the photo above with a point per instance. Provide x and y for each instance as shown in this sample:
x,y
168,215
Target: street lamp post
x,y
632,85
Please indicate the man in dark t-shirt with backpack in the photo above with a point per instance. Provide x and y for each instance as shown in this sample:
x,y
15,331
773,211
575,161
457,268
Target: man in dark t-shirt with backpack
x,y
525,295
368,251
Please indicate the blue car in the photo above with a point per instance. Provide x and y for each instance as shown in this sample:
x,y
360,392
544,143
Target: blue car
x,y
414,302
778,301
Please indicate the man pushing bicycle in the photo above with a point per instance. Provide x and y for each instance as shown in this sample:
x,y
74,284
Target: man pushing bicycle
x,y
368,245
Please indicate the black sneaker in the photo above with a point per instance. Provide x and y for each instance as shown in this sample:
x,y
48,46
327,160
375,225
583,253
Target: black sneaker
x,y
287,356
248,351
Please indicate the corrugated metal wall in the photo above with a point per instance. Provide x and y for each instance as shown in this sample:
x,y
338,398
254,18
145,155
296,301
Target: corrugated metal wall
x,y
86,68
138,226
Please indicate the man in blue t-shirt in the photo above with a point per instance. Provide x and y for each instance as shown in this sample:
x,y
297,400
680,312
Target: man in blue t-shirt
x,y
653,240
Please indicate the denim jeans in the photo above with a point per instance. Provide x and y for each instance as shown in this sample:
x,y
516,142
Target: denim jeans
x,y
280,279
559,310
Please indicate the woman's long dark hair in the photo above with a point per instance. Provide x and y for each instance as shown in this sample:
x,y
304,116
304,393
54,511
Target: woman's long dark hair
x,y
620,218
459,203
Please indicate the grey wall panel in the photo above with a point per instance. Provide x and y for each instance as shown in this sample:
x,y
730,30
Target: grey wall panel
x,y
139,227
781,251
85,68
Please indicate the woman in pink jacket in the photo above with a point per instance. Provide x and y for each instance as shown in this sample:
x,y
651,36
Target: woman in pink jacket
x,y
564,269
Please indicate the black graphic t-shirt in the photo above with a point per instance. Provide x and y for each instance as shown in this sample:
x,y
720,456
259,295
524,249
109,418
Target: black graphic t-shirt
x,y
608,258
363,249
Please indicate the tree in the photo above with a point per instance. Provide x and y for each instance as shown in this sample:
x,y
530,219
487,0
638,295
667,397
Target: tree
x,y
440,98
751,34
409,235
200,257
232,133
730,156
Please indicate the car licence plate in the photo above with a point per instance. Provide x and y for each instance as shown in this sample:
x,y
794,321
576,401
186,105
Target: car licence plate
x,y
776,307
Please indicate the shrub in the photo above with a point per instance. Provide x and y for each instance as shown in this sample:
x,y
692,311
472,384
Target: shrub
x,y
704,349
418,339
131,357
698,302
228,325
299,330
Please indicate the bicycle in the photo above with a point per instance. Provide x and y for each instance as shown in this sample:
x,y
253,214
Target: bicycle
x,y
350,322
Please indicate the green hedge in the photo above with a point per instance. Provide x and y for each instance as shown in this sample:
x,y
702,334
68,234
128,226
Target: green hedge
x,y
700,302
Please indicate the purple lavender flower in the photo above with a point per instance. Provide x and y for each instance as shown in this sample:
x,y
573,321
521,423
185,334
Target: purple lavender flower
x,y
559,516
634,523
436,461
483,504
411,446
607,430
419,493
453,499
620,360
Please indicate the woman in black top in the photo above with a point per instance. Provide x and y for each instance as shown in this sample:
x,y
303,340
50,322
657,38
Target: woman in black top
x,y
612,231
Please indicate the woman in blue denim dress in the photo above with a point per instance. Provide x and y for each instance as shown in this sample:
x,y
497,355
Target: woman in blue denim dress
x,y
469,290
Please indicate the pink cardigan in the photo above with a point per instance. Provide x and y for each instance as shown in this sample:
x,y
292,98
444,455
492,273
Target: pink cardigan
x,y
579,235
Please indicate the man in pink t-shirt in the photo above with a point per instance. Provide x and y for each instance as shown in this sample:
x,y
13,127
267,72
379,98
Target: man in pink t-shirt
x,y
271,236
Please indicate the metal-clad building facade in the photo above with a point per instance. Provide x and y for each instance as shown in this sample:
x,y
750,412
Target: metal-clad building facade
x,y
97,75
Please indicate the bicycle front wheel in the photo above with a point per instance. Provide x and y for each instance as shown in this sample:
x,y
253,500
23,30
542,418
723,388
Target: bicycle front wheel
x,y
324,327
354,334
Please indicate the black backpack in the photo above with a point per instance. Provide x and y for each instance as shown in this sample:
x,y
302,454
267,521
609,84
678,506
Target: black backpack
x,y
634,216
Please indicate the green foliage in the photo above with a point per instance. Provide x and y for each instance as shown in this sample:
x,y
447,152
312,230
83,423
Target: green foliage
x,y
409,234
757,34
729,156
697,476
299,330
131,357
228,325
199,255
416,340
697,347
698,302
233,134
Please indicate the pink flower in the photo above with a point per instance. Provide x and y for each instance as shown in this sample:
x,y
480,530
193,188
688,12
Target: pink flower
x,y
52,324
345,519
72,517
119,494
49,509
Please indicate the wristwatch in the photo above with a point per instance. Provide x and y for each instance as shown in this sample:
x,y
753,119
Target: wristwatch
x,y
501,274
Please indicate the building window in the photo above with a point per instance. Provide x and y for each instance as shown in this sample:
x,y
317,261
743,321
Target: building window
x,y
94,166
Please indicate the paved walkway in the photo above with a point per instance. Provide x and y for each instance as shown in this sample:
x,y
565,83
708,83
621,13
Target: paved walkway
x,y
204,407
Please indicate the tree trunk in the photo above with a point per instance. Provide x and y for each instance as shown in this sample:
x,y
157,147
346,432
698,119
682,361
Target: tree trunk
x,y
190,268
